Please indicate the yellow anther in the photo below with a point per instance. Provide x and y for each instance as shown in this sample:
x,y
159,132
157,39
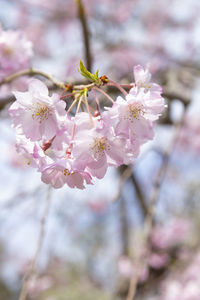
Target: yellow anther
x,y
134,112
41,112
100,145
66,172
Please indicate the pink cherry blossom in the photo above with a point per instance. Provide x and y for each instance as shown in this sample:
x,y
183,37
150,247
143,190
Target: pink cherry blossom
x,y
38,285
130,118
125,266
151,102
64,171
32,152
15,52
158,260
37,113
142,80
98,147
171,235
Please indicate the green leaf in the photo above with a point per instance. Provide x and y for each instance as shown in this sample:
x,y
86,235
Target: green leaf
x,y
85,73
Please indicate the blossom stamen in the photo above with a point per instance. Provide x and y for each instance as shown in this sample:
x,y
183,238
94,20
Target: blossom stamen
x,y
134,112
66,172
100,145
7,51
41,112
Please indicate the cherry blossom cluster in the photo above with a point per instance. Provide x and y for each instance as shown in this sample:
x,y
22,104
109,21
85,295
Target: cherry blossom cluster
x,y
76,149
15,52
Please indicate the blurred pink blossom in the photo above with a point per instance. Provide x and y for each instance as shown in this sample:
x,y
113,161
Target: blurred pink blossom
x,y
172,234
158,260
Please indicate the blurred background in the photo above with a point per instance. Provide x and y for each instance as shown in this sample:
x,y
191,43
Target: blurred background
x,y
93,238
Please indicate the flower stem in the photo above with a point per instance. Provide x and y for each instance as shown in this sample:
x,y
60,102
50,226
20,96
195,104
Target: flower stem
x,y
88,109
104,93
71,106
119,86
96,99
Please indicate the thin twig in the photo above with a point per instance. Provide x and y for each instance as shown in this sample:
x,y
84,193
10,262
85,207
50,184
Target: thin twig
x,y
88,109
97,100
133,286
119,86
72,105
84,86
31,271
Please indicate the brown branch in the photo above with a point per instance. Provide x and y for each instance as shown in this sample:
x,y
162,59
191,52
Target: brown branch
x,y
78,86
31,271
55,84
86,35
32,72
173,96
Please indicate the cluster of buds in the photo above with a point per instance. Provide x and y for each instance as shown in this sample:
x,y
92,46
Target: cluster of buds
x,y
76,149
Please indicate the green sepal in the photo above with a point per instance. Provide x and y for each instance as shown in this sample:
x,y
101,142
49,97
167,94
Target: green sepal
x,y
83,92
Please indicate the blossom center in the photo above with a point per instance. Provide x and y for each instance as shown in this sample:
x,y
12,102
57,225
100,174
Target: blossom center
x,y
7,51
41,112
99,146
66,172
134,112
